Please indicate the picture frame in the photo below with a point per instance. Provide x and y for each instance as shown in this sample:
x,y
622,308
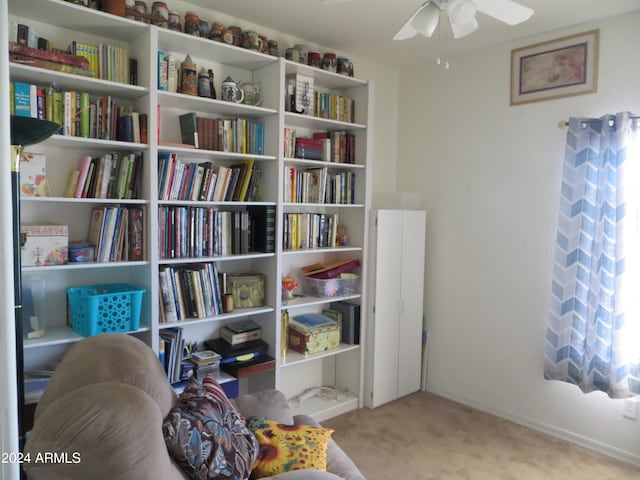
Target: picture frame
x,y
557,68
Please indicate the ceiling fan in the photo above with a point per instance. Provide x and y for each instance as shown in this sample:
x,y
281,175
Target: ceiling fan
x,y
462,16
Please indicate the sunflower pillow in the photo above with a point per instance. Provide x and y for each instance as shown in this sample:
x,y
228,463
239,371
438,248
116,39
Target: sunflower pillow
x,y
283,448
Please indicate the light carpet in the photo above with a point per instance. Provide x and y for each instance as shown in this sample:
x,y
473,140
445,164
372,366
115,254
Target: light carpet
x,y
424,436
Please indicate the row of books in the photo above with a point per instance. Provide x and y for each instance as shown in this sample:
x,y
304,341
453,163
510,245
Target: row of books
x,y
170,352
113,175
336,146
168,71
334,107
117,233
190,291
107,62
205,181
238,135
318,185
309,230
200,232
78,114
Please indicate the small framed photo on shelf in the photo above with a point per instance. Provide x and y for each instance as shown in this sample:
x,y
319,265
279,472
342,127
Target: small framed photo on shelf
x,y
304,94
558,68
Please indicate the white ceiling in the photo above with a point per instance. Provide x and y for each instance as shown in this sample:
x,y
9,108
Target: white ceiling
x,y
365,27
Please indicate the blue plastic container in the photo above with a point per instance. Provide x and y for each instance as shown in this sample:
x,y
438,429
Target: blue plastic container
x,y
106,308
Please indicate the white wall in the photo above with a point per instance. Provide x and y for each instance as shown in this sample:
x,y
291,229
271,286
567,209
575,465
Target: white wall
x,y
490,176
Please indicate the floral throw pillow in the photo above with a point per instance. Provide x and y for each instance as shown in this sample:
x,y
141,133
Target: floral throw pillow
x,y
283,448
206,435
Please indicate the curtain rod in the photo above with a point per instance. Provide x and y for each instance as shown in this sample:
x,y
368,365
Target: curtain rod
x,y
565,123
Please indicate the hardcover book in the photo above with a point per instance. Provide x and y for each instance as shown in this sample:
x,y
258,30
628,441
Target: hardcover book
x,y
189,129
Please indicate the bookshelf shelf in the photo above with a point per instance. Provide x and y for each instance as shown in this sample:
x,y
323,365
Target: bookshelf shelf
x,y
307,121
61,22
295,358
68,81
212,154
327,79
77,18
238,313
322,409
319,163
304,251
85,266
303,301
84,201
190,102
169,40
88,143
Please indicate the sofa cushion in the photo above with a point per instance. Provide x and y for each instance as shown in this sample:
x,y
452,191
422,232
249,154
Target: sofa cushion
x,y
270,404
207,436
130,361
100,431
284,448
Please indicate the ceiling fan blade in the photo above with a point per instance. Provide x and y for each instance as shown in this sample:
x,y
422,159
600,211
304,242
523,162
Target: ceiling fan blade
x,y
506,11
407,30
423,21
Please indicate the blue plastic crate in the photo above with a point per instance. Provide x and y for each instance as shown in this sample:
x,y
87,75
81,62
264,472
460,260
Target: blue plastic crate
x,y
106,308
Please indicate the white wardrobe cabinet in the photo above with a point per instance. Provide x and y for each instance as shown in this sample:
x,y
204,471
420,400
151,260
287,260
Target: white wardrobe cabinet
x,y
394,334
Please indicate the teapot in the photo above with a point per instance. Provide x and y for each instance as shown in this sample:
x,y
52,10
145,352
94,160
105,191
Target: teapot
x,y
231,92
252,93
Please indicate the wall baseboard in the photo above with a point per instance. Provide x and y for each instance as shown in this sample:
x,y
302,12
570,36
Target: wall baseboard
x,y
586,442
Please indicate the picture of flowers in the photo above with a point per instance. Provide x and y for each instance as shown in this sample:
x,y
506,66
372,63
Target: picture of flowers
x,y
558,68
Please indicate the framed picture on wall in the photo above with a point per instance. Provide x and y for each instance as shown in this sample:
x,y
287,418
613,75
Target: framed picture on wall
x,y
558,68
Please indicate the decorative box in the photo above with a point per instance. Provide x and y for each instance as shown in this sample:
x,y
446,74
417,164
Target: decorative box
x,y
313,333
80,251
247,289
44,245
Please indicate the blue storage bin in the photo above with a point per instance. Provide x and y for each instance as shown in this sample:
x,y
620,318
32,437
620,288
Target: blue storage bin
x,y
106,308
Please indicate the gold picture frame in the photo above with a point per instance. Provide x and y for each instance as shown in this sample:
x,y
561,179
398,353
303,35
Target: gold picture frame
x,y
558,68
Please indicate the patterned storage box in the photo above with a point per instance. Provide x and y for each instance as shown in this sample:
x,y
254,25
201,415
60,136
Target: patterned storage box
x,y
330,287
44,245
313,333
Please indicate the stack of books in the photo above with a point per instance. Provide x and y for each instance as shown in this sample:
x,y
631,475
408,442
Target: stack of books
x,y
242,349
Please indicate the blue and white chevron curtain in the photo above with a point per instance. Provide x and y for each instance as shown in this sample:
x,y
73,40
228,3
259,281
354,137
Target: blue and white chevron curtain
x,y
593,331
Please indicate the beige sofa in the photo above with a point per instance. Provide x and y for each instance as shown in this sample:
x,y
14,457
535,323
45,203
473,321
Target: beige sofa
x,y
102,413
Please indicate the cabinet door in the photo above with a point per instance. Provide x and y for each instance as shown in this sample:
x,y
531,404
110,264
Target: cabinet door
x,y
411,303
388,274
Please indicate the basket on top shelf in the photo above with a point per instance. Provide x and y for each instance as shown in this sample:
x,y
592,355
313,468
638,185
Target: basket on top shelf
x,y
96,309
331,280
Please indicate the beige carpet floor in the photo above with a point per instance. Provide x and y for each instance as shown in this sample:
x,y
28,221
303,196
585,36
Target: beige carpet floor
x,y
423,436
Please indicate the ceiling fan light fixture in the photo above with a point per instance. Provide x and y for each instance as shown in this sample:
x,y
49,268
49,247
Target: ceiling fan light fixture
x,y
462,16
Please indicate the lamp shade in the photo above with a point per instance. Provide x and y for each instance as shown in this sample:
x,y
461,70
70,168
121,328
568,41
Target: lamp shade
x,y
27,130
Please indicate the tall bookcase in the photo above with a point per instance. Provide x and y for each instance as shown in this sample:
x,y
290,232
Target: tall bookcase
x,y
61,22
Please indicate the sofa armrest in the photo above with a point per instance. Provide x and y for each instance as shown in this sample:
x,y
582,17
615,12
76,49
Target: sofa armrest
x,y
338,462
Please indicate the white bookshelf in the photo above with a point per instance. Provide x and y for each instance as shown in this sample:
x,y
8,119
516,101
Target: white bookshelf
x,y
60,22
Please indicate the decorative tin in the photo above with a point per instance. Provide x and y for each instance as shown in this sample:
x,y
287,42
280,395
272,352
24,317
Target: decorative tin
x,y
247,290
313,333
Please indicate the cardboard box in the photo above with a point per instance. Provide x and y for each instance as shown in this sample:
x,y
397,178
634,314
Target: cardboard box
x,y
313,333
247,290
44,245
